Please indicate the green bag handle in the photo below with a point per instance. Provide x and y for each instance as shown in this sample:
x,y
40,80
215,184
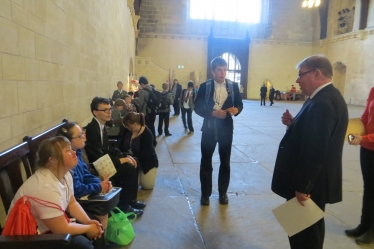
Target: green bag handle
x,y
116,217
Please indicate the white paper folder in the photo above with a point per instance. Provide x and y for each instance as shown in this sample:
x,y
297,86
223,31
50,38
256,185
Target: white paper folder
x,y
294,217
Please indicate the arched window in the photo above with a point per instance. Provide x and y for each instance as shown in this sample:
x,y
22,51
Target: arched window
x,y
245,11
233,67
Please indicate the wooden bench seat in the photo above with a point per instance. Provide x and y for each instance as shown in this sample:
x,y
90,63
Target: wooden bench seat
x,y
16,165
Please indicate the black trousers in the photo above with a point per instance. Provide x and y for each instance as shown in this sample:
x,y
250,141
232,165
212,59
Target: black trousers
x,y
208,145
126,178
313,236
263,99
163,117
367,168
189,118
271,101
176,106
150,119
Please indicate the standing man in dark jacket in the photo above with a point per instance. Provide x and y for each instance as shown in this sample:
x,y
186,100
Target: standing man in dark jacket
x,y
176,90
217,101
309,160
263,91
119,93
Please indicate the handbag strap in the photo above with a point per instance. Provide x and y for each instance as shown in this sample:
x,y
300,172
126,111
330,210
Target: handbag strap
x,y
47,204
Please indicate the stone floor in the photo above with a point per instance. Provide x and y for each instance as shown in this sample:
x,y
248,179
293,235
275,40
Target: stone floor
x,y
174,218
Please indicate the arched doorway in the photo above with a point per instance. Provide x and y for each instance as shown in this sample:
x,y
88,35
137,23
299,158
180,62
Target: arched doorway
x,y
338,80
234,69
239,51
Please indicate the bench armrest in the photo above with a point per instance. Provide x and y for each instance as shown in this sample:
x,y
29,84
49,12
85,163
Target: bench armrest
x,y
42,241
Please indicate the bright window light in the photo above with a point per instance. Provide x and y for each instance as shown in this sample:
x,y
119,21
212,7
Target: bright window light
x,y
247,11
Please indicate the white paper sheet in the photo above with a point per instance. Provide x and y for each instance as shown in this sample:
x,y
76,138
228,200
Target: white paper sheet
x,y
294,217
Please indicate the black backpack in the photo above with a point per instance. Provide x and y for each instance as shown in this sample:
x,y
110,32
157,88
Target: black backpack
x,y
154,99
164,103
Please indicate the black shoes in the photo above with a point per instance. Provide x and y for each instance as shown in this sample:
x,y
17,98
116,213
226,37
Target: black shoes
x,y
130,209
223,199
204,201
137,204
367,238
358,231
168,134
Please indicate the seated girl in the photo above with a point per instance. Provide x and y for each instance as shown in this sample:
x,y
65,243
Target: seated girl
x,y
53,183
84,182
137,141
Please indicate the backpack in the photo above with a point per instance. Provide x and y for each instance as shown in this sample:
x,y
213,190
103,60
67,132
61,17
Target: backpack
x,y
164,103
154,99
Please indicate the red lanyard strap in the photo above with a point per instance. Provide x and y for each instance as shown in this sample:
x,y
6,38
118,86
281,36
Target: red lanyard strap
x,y
47,204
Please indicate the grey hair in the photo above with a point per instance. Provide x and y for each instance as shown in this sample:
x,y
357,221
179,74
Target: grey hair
x,y
318,61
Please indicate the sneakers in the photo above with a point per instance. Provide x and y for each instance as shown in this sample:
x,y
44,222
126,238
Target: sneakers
x,y
190,133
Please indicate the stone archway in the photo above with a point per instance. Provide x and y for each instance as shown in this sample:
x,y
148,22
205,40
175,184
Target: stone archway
x,y
340,70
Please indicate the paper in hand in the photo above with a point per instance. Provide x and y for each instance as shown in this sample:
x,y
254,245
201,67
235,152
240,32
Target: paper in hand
x,y
105,166
294,217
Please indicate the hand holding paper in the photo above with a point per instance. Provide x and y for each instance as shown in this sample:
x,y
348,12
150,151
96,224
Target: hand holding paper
x,y
294,218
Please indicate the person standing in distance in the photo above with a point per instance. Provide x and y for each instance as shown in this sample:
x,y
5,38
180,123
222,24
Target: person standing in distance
x,y
217,101
309,160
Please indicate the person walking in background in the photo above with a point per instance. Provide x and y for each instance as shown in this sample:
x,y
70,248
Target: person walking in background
x,y
217,101
164,110
271,95
365,230
176,90
187,103
263,91
241,90
309,159
293,92
119,93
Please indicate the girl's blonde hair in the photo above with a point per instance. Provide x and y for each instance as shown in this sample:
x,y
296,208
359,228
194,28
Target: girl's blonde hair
x,y
52,148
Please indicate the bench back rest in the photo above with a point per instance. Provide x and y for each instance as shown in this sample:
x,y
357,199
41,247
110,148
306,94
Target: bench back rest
x,y
34,142
14,164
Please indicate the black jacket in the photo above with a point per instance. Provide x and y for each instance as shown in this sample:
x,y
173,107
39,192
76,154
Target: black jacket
x,y
309,158
213,124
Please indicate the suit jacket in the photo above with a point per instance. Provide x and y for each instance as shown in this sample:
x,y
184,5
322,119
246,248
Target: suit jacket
x,y
143,99
118,95
95,149
177,92
191,99
212,124
309,157
263,91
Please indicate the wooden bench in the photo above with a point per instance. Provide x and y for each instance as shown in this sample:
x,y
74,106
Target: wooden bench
x,y
16,165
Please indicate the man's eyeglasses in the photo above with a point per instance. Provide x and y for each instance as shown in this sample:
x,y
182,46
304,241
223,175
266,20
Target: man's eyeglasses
x,y
301,74
106,110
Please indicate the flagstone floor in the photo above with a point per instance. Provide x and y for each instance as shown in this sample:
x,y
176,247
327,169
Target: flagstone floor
x,y
175,219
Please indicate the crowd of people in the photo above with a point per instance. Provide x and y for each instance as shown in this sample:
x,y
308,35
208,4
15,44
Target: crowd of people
x,y
314,171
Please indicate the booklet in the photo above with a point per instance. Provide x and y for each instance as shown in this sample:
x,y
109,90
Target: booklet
x,y
294,217
104,166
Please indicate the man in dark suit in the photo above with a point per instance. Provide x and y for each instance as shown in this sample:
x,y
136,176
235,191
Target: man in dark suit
x,y
309,160
187,104
217,101
119,93
97,145
176,90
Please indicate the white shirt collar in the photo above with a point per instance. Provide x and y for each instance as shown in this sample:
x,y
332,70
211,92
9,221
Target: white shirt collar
x,y
100,124
319,89
220,84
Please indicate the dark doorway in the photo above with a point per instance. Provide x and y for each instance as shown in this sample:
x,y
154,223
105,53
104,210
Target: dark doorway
x,y
236,53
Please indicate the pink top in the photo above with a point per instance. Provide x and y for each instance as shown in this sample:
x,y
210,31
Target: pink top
x,y
367,119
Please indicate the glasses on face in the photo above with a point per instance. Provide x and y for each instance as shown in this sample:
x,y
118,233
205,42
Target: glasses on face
x,y
80,136
105,110
301,74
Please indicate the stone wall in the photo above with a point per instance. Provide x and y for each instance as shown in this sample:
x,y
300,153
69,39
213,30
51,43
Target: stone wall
x,y
55,56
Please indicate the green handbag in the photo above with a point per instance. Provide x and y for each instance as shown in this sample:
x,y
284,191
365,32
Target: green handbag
x,y
119,229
